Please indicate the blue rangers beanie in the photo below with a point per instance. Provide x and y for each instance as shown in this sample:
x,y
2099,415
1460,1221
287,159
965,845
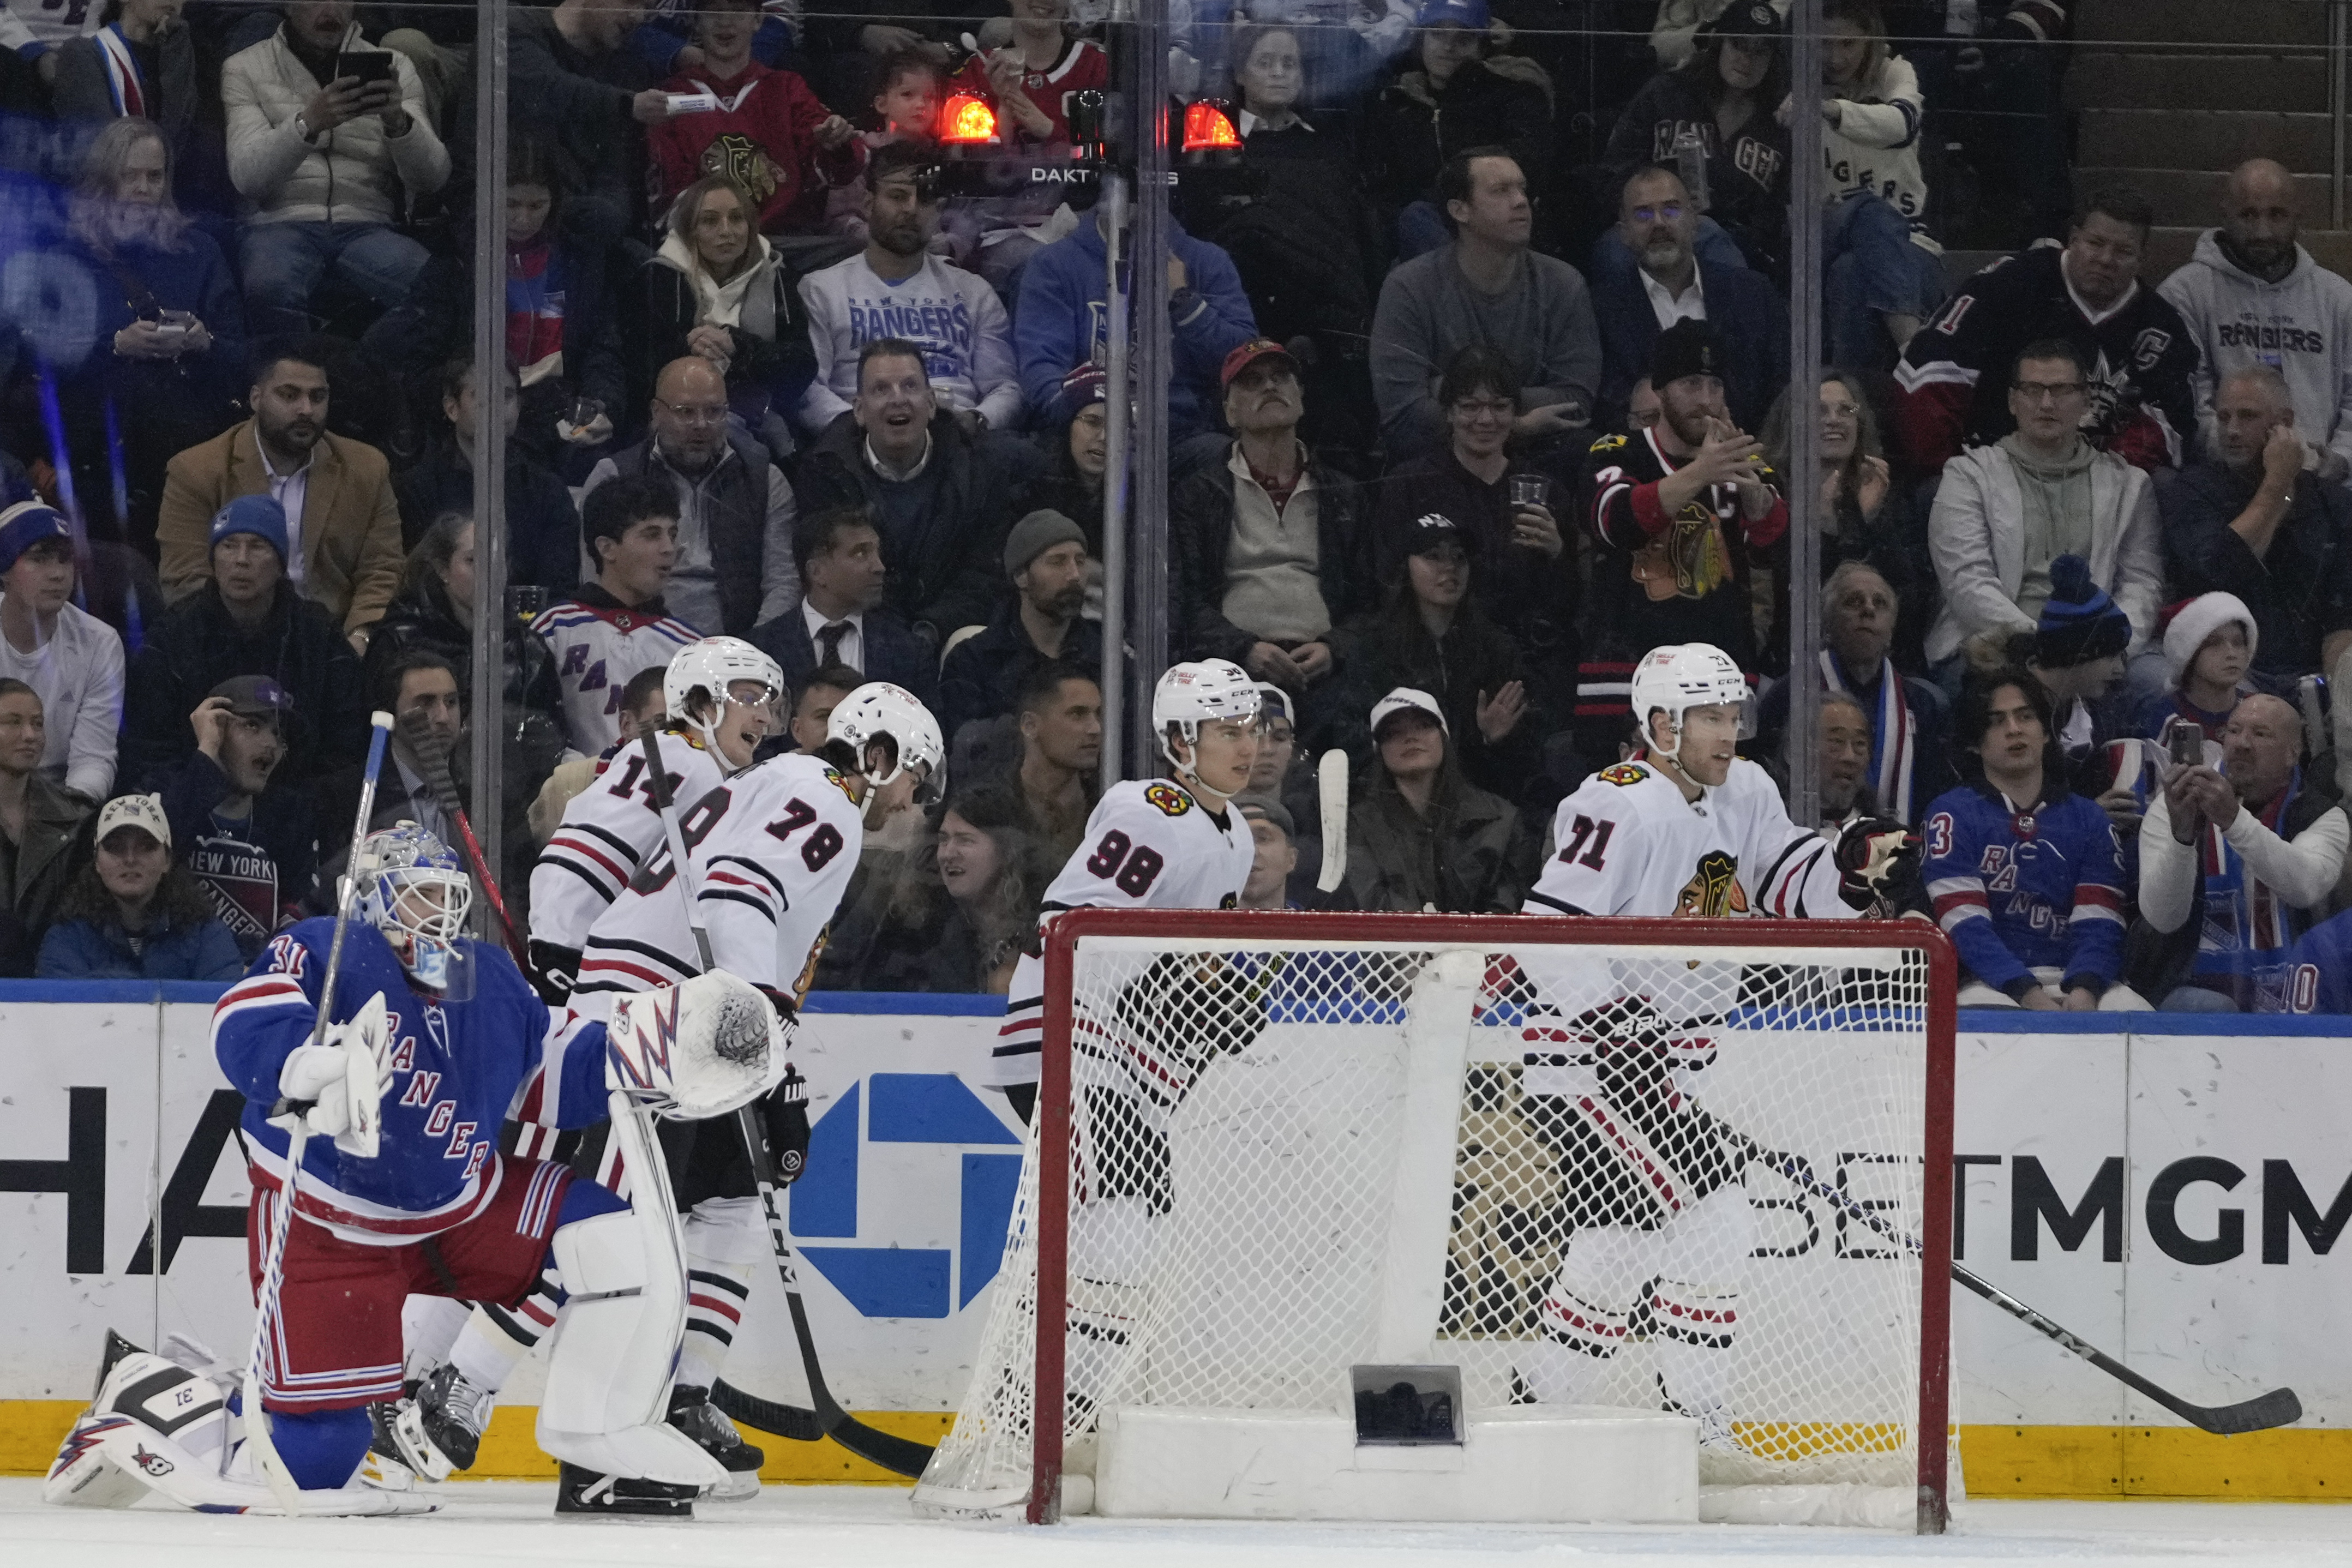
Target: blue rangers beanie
x,y
26,524
2080,622
256,515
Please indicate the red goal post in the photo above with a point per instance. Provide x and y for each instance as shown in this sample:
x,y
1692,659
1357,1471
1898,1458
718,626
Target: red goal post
x,y
1926,962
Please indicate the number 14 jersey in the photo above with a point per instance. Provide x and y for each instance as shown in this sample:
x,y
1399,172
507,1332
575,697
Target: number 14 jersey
x,y
1149,845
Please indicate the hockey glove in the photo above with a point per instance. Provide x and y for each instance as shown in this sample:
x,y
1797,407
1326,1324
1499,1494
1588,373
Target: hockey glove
x,y
553,970
338,1085
788,1126
1877,859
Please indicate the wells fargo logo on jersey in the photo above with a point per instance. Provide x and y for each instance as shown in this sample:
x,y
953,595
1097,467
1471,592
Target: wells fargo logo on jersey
x,y
1713,891
1171,800
1623,773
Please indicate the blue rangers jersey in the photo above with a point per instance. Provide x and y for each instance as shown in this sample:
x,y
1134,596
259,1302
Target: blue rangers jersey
x,y
459,1070
2025,888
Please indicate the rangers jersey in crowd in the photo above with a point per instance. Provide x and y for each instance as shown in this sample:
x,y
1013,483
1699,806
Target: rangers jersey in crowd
x,y
608,830
459,1070
772,851
1953,381
2020,889
1149,845
598,644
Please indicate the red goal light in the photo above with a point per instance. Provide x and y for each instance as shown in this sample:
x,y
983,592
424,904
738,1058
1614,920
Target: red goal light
x,y
966,119
1209,127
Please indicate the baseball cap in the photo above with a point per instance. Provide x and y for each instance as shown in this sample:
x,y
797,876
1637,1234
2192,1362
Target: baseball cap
x,y
1430,531
1401,699
1747,18
255,696
1469,13
26,524
144,813
1270,698
1271,810
1250,354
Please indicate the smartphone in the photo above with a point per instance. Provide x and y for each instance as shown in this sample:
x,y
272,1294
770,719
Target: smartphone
x,y
173,323
2184,741
369,65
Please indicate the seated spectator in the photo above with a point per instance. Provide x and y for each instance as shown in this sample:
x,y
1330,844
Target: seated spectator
x,y
905,108
339,536
1680,512
1034,78
1266,549
133,913
244,620
2053,939
840,618
941,499
1421,836
1061,757
542,526
766,127
1487,286
1526,574
44,832
718,289
1271,830
1283,772
1450,95
1039,623
1072,482
1861,516
1882,273
643,703
1725,91
141,64
169,362
819,695
71,659
734,508
325,164
2249,521
2075,656
2255,299
617,625
1430,636
2005,513
2138,357
1060,312
245,831
2209,647
1843,778
1906,719
1657,221
897,289
420,690
2235,865
953,920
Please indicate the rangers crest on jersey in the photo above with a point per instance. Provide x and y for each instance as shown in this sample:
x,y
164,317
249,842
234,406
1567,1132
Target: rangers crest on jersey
x,y
1714,890
1623,773
1171,800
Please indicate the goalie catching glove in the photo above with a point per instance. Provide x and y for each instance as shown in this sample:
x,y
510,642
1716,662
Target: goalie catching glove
x,y
696,1050
1879,859
338,1085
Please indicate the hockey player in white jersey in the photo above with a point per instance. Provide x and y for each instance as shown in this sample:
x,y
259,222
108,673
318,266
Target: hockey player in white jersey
x,y
720,695
1171,842
772,849
1654,1195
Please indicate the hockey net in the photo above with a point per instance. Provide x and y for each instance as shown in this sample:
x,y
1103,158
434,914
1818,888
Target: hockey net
x,y
1269,1147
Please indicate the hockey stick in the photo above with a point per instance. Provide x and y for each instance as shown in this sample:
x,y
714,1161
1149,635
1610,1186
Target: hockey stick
x,y
829,1420
433,754
2279,1407
1331,788
281,1481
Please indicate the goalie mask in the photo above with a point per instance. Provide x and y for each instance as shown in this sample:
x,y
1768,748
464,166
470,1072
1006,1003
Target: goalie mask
x,y
1191,694
1675,679
878,712
712,666
412,888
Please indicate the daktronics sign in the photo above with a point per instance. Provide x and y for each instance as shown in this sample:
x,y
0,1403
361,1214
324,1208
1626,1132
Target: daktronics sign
x,y
2283,1204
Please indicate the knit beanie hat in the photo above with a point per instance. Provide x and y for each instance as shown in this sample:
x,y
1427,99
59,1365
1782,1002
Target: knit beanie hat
x,y
1036,534
26,524
2080,622
2196,619
256,515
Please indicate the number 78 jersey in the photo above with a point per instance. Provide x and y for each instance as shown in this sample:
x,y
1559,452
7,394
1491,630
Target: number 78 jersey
x,y
772,851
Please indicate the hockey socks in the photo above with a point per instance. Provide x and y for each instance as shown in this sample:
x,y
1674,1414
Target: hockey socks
x,y
726,1245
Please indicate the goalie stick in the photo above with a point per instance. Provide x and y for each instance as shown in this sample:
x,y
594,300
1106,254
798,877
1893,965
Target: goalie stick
x,y
1331,791
433,755
2279,1407
897,1455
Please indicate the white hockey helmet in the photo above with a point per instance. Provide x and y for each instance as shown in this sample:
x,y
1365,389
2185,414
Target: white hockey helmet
x,y
1679,677
1191,694
879,710
412,887
714,664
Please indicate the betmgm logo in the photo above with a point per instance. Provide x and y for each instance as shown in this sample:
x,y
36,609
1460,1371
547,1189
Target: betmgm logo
x,y
931,1170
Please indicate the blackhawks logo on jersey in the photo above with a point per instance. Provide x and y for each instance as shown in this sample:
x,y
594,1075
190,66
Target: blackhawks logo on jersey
x,y
1622,774
1713,891
1171,800
841,782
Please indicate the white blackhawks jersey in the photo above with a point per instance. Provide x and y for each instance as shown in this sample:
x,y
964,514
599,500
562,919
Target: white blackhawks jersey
x,y
1149,845
610,829
773,848
1627,843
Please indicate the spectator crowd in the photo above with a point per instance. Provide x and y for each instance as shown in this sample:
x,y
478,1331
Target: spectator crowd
x,y
1478,389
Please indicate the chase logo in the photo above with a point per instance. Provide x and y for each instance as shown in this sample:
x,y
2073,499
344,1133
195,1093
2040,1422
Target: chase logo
x,y
927,1160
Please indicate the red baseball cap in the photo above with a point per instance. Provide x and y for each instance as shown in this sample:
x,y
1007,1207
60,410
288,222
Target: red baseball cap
x,y
1250,354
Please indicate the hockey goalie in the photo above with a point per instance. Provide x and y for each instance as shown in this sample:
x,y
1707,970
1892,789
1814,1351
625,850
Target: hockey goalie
x,y
1657,1223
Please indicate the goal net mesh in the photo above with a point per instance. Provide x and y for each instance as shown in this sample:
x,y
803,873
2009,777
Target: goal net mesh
x,y
1604,1222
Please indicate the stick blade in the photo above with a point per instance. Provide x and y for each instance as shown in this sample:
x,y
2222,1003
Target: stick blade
x,y
900,1456
2279,1407
789,1422
1331,786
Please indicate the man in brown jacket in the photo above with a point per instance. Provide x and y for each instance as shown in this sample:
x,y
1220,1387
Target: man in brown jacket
x,y
341,513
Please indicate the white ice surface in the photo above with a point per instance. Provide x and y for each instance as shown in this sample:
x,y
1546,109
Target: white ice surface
x,y
862,1526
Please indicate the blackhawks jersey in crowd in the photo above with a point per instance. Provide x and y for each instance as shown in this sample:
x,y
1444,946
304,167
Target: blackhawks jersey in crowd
x,y
1952,383
2020,889
1149,845
598,643
609,830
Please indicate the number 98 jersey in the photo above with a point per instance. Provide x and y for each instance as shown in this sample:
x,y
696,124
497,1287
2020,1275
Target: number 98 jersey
x,y
772,849
1149,845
